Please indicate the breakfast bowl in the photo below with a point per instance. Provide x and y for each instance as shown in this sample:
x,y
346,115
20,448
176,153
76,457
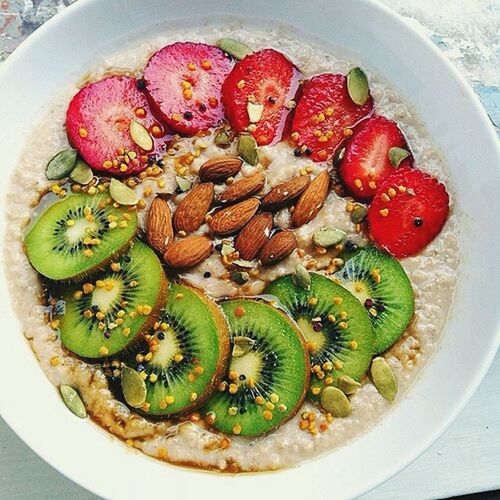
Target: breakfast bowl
x,y
347,436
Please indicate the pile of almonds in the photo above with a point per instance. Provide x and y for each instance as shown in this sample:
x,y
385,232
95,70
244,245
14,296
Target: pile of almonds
x,y
239,212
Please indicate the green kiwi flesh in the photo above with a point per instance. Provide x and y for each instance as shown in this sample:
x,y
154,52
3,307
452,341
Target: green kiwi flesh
x,y
336,326
266,385
108,313
77,235
184,356
380,283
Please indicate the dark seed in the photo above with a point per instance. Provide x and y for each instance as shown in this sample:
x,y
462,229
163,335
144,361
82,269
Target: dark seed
x,y
161,336
242,377
368,303
152,158
296,152
188,115
317,326
218,247
141,84
178,190
140,368
242,410
160,163
350,246
207,274
107,334
271,99
380,307
418,221
308,151
94,308
127,258
202,107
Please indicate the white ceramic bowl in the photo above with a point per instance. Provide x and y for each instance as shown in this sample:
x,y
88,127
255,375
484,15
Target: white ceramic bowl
x,y
59,53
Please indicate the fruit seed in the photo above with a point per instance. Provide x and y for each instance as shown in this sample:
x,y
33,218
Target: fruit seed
x,y
222,139
242,345
301,277
240,277
357,86
359,213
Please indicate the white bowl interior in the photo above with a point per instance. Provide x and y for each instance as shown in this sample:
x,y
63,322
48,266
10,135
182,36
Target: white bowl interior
x,y
62,50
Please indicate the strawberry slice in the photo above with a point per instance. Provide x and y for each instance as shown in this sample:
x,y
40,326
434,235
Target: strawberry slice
x,y
184,83
325,115
366,161
98,123
409,210
257,95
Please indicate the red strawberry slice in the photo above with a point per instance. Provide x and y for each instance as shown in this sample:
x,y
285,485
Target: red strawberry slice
x,y
366,160
408,212
98,121
184,83
265,81
325,115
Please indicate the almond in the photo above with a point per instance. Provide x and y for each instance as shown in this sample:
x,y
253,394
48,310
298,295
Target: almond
x,y
191,211
219,169
254,235
230,219
286,192
281,245
159,230
311,200
188,252
243,188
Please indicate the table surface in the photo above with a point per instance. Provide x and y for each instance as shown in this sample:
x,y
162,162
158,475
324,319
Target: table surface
x,y
466,459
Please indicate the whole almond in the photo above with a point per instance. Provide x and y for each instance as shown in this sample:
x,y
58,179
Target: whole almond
x,y
219,169
159,230
281,245
243,188
230,219
191,211
284,193
311,200
254,235
188,252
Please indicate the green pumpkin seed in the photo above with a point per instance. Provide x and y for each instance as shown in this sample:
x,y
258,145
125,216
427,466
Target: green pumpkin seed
x,y
227,249
301,277
222,139
141,136
384,379
397,155
357,86
183,183
234,48
328,236
247,264
61,164
240,277
121,193
338,156
73,401
242,345
334,401
254,111
82,173
348,385
359,213
133,387
247,149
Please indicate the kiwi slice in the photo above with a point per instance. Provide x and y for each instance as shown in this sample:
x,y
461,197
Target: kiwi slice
x,y
338,332
106,314
380,283
78,235
184,357
268,373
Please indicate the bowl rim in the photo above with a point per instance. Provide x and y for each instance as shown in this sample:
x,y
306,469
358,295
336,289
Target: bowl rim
x,y
490,141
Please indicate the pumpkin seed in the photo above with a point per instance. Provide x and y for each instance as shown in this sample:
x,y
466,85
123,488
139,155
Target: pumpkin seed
x,y
240,277
357,86
347,384
247,149
61,164
82,173
222,139
133,387
234,48
384,379
227,249
301,277
73,401
328,236
359,213
397,155
183,183
254,111
141,136
242,345
334,401
247,264
338,156
122,194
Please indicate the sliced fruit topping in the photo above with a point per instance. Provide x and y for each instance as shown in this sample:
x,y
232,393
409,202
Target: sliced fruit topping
x,y
369,156
268,372
184,357
336,326
408,212
380,283
105,314
111,125
258,95
325,115
78,235
184,83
